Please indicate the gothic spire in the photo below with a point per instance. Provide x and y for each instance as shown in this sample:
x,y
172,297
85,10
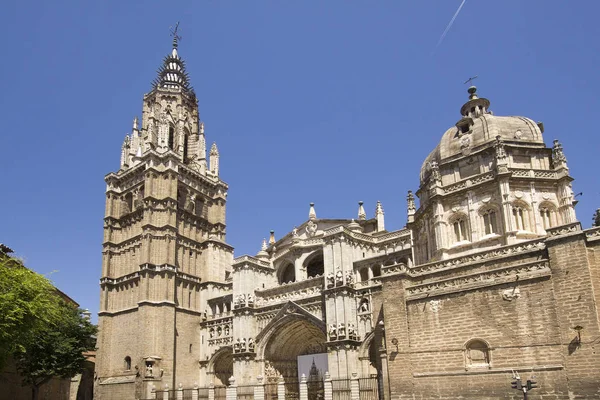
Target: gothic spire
x,y
172,74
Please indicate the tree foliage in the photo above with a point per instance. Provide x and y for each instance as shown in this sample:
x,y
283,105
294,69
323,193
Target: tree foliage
x,y
44,335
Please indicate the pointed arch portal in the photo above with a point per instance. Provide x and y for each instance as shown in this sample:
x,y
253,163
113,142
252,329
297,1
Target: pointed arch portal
x,y
295,333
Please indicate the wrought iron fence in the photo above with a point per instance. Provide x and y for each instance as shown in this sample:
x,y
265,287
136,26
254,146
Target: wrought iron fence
x,y
341,389
220,392
245,392
316,389
292,389
368,388
202,393
271,391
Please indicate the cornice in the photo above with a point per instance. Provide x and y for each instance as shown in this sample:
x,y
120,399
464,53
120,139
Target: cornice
x,y
499,276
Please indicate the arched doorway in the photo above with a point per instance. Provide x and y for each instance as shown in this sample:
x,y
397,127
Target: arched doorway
x,y
296,337
221,366
296,333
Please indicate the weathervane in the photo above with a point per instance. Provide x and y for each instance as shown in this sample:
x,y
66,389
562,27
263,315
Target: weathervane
x,y
176,37
470,79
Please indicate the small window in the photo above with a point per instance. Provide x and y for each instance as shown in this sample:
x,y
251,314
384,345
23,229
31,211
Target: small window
x,y
477,354
376,270
490,224
546,214
190,350
460,230
171,137
520,217
364,274
127,363
288,274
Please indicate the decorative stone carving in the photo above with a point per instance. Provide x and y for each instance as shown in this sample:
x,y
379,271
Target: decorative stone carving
x,y
251,345
250,299
341,331
511,294
465,145
330,280
410,201
352,331
435,305
349,278
311,229
435,171
558,156
332,331
243,345
364,306
339,277
237,346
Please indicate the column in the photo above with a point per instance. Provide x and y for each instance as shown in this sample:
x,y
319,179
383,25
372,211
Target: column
x,y
303,388
328,387
195,392
231,391
354,388
211,391
281,389
259,389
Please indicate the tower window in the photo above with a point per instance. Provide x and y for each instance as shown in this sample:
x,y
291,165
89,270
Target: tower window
x,y
185,148
127,363
315,267
489,221
171,137
460,229
477,354
288,274
547,214
520,217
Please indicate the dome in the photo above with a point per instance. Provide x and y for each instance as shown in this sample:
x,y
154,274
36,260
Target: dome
x,y
478,129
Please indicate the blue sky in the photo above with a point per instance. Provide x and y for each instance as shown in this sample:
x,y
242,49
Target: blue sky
x,y
324,101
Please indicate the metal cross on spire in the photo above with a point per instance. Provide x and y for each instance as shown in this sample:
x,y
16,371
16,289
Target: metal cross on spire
x,y
471,79
176,37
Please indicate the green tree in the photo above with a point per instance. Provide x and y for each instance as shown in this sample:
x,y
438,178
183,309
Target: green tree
x,y
28,302
45,336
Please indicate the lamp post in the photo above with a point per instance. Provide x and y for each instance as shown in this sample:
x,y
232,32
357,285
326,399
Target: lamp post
x,y
524,387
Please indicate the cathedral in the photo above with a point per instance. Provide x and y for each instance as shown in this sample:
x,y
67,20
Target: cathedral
x,y
492,278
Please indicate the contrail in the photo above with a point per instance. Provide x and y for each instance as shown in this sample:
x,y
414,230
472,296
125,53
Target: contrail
x,y
450,24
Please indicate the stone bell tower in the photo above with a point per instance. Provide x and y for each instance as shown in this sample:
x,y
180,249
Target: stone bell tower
x,y
164,249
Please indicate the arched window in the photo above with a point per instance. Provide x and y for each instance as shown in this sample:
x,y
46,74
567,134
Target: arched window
x,y
376,270
490,221
185,147
127,363
315,266
460,228
171,139
288,274
520,213
547,215
364,274
477,354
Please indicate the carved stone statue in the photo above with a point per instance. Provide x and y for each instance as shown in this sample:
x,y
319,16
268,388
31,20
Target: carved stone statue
x,y
237,346
364,306
341,330
349,278
339,277
250,299
332,331
435,170
226,330
295,232
351,331
251,345
330,280
149,369
243,345
211,333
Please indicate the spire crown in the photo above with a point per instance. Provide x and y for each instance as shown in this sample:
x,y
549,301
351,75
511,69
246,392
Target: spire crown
x,y
476,106
362,215
312,214
172,74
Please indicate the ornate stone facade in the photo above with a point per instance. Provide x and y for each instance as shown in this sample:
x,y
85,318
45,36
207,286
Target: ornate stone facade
x,y
491,273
